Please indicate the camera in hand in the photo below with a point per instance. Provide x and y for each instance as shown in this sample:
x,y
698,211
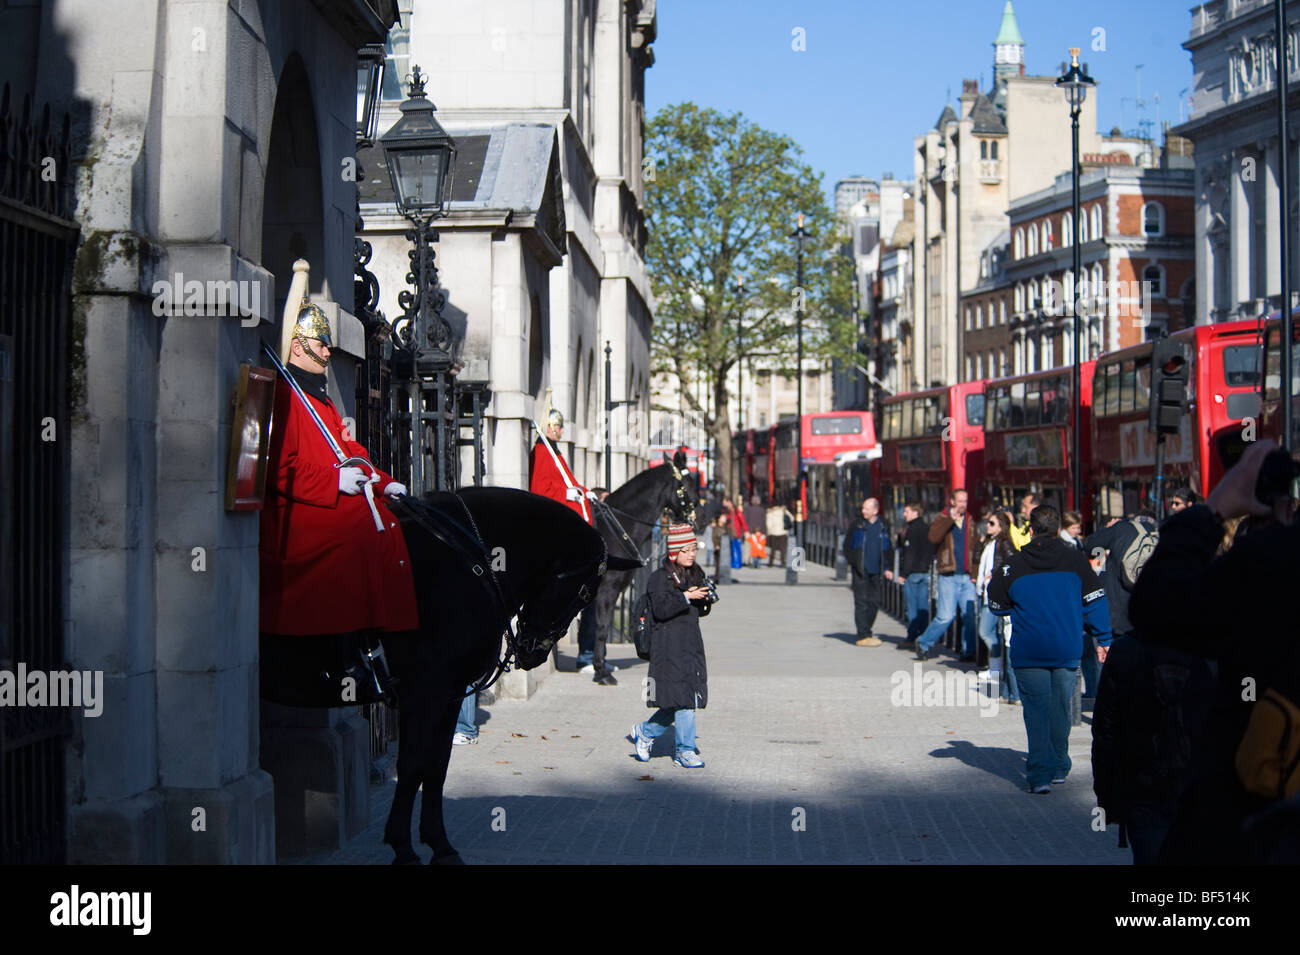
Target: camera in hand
x,y
1276,474
712,586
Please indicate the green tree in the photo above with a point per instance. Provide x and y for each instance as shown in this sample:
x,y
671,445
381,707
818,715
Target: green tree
x,y
721,203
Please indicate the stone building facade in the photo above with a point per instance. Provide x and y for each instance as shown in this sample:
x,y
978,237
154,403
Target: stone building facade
x,y
208,139
542,249
1233,125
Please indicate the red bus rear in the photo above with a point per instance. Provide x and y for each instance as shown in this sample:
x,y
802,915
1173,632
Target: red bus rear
x,y
932,442
1223,390
1028,439
1271,414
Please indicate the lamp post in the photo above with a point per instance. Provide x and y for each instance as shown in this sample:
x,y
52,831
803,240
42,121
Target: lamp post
x,y
800,235
1075,83
739,289
420,155
610,405
1284,229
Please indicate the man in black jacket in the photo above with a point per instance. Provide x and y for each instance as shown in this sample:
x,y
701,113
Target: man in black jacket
x,y
1236,610
1115,538
914,566
865,545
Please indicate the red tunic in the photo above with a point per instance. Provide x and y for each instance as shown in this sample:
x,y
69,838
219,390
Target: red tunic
x,y
548,482
325,569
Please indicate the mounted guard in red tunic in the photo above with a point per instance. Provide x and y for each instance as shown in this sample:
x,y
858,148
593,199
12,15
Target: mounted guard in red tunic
x,y
551,476
333,559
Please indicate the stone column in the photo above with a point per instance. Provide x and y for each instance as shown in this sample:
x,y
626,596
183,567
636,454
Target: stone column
x,y
1272,217
1239,224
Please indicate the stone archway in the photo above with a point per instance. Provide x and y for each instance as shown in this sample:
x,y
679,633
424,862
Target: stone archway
x,y
318,758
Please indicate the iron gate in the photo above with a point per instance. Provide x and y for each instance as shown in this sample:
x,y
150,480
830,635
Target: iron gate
x,y
37,245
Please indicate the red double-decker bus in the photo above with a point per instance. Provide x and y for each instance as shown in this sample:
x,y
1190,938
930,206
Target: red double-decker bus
x,y
1223,389
1270,422
1028,438
932,442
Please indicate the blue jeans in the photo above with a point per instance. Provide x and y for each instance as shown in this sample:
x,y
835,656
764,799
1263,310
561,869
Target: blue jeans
x,y
1046,694
990,633
956,591
1090,666
988,627
916,600
467,719
586,636
680,719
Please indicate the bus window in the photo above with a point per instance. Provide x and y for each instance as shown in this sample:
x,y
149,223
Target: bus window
x,y
1127,385
975,410
1241,366
1112,390
1016,415
1143,397
845,424
1033,403
1273,367
1099,390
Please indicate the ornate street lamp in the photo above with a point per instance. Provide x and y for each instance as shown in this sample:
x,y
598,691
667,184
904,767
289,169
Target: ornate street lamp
x,y
420,155
1075,83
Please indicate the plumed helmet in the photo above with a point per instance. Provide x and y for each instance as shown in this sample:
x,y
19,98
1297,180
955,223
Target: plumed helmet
x,y
554,418
312,323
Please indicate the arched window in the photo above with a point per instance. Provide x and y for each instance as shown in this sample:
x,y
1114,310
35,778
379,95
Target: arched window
x,y
1098,288
1067,229
1083,226
1153,276
979,316
1033,241
1153,219
1069,292
1031,302
968,321
1096,229
984,149
993,150
1003,310
1047,234
1020,298
1020,243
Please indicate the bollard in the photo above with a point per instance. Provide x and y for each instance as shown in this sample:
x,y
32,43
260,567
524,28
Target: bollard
x,y
1076,701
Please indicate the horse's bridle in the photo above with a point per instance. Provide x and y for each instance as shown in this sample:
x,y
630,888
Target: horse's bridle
x,y
685,509
584,596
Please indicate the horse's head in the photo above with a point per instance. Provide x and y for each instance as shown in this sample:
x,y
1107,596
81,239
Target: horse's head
x,y
684,497
545,616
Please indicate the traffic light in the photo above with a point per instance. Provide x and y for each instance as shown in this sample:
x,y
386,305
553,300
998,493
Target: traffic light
x,y
1170,376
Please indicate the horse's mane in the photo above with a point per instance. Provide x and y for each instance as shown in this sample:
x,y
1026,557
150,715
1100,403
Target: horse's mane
x,y
639,483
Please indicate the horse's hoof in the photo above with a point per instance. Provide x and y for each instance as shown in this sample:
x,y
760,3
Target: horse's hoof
x,y
452,859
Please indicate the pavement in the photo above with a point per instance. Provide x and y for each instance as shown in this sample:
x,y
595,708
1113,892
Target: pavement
x,y
816,751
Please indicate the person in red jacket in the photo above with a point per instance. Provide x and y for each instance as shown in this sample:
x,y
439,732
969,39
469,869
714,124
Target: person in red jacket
x,y
550,470
325,568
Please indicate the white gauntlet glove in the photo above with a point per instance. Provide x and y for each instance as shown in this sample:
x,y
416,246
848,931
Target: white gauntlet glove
x,y
572,494
395,489
351,480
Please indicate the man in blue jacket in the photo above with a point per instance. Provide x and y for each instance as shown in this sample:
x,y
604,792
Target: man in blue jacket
x,y
1049,590
865,547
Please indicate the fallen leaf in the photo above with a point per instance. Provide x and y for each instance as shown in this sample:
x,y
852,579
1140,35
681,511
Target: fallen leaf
x,y
645,779
950,732
548,767
516,773
503,762
546,738
520,735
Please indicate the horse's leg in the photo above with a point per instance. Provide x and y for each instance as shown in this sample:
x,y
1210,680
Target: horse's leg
x,y
433,832
397,831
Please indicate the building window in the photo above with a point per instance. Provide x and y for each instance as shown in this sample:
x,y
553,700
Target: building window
x,y
984,149
1083,226
1067,229
1153,276
1047,234
979,316
1069,289
968,324
993,150
1096,230
1031,302
1033,241
1020,243
1153,219
1020,298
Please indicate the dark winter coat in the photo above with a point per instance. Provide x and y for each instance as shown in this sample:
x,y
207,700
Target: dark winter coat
x,y
1239,610
677,668
1051,594
1152,702
1116,539
865,546
918,552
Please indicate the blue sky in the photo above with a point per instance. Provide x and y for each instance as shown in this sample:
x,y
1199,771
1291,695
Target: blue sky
x,y
876,74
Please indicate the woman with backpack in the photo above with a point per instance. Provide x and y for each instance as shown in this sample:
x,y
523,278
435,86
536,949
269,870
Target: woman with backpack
x,y
997,551
678,595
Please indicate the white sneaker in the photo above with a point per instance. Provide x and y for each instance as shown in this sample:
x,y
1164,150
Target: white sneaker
x,y
643,745
460,739
589,669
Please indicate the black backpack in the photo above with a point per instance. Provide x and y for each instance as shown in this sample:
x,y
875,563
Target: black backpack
x,y
643,625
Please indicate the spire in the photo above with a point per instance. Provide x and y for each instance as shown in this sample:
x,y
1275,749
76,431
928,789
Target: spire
x,y
1008,49
1009,32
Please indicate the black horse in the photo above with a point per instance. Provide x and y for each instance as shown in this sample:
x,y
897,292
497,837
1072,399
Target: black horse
x,y
477,562
639,505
